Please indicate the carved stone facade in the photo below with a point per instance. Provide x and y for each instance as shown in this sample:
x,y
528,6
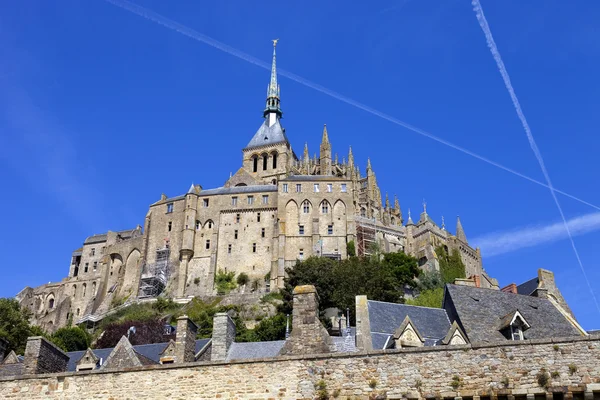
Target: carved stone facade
x,y
277,208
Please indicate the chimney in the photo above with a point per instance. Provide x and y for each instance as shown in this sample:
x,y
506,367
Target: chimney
x,y
222,336
3,348
43,357
477,280
308,336
512,288
363,324
185,340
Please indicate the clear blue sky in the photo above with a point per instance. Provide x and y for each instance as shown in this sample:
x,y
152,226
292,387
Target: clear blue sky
x,y
101,111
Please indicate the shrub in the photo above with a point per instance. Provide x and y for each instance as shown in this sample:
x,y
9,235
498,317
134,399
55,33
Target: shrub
x,y
71,339
555,374
456,382
572,368
322,393
162,304
224,282
351,248
373,383
542,378
196,281
242,279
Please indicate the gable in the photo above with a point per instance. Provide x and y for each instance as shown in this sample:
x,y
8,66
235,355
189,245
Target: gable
x,y
122,356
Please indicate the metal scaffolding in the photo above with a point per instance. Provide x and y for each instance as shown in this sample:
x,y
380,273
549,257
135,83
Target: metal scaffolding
x,y
366,238
155,276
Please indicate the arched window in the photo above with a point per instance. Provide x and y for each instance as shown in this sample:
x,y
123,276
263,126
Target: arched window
x,y
325,207
306,207
254,163
78,312
274,155
363,212
51,303
94,288
265,161
74,291
84,290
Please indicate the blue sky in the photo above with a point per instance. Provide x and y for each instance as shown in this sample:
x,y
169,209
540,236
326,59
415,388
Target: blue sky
x,y
102,110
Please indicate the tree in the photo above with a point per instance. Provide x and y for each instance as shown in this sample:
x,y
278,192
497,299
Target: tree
x,y
404,267
272,328
14,325
242,279
451,266
71,339
351,248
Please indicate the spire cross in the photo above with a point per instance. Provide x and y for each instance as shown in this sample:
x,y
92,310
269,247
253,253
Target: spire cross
x,y
424,206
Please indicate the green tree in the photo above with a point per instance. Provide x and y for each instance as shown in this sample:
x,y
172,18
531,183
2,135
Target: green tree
x,y
351,248
451,265
428,298
71,339
404,267
242,279
14,325
272,328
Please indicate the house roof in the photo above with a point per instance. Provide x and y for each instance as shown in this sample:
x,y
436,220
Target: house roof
x,y
250,350
126,234
149,351
528,287
432,323
480,312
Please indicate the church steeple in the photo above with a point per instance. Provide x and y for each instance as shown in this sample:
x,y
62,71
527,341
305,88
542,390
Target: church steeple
x,y
460,232
325,153
272,110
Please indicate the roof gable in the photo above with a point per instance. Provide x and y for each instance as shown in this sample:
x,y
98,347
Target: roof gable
x,y
11,358
481,311
407,334
455,336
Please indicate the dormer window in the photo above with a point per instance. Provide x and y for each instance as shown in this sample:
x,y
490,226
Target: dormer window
x,y
517,332
513,325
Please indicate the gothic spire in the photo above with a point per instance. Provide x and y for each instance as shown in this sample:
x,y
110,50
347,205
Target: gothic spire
x,y
410,221
305,151
397,207
350,158
460,233
387,201
273,89
325,138
369,165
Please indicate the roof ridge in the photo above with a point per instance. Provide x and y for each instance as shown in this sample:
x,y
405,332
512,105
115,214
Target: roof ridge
x,y
409,305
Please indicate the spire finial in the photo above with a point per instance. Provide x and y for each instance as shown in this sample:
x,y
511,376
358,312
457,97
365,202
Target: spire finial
x,y
424,206
410,221
443,224
368,163
273,89
325,135
387,201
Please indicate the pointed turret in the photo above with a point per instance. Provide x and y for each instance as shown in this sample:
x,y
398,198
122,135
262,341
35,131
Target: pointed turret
x,y
350,158
410,221
460,232
369,168
387,202
397,208
192,189
273,89
325,153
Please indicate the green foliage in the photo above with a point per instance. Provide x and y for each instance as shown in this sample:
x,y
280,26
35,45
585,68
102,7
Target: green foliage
x,y
428,298
134,312
351,249
14,325
572,368
456,382
543,379
373,383
429,280
224,282
269,297
322,392
242,279
196,281
451,266
163,305
555,374
272,328
71,338
202,314
339,282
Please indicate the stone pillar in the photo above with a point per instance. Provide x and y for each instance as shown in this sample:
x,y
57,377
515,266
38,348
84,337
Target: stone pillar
x,y
3,348
183,268
308,336
222,336
43,357
363,325
185,340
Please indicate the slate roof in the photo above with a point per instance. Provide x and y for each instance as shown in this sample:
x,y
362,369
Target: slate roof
x,y
239,189
268,135
314,178
126,234
250,350
479,312
149,351
432,323
528,287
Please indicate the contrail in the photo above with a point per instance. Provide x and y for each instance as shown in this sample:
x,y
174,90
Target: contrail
x,y
496,243
494,50
184,30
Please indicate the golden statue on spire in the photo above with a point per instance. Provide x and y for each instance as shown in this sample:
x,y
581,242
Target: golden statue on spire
x,y
275,42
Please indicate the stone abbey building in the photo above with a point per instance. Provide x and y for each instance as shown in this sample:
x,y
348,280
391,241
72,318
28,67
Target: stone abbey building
x,y
276,209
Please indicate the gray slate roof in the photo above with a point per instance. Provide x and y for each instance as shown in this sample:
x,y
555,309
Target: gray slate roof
x,y
315,178
250,350
432,323
150,351
126,234
239,189
268,135
528,287
479,312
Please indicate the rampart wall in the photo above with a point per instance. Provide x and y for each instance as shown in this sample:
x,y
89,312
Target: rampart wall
x,y
505,371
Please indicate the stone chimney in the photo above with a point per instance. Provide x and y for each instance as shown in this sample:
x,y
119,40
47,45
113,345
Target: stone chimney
x,y
477,280
308,335
3,348
222,336
547,289
363,325
43,357
512,288
185,340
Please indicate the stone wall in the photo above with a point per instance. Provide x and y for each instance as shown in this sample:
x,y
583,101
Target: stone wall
x,y
42,356
499,371
222,337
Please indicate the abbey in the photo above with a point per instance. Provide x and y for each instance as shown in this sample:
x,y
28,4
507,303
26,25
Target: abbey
x,y
276,209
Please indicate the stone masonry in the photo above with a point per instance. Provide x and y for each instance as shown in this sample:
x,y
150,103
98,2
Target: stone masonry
x,y
222,337
500,371
42,357
185,340
308,335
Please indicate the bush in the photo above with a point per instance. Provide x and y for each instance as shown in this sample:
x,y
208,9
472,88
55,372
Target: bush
x,y
242,279
14,325
146,332
428,298
71,339
224,282
272,328
351,249
162,305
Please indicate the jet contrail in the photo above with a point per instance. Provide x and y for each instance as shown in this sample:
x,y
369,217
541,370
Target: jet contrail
x,y
496,54
496,243
184,30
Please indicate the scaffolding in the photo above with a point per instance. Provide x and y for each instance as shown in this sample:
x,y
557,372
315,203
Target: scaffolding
x,y
366,238
155,276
